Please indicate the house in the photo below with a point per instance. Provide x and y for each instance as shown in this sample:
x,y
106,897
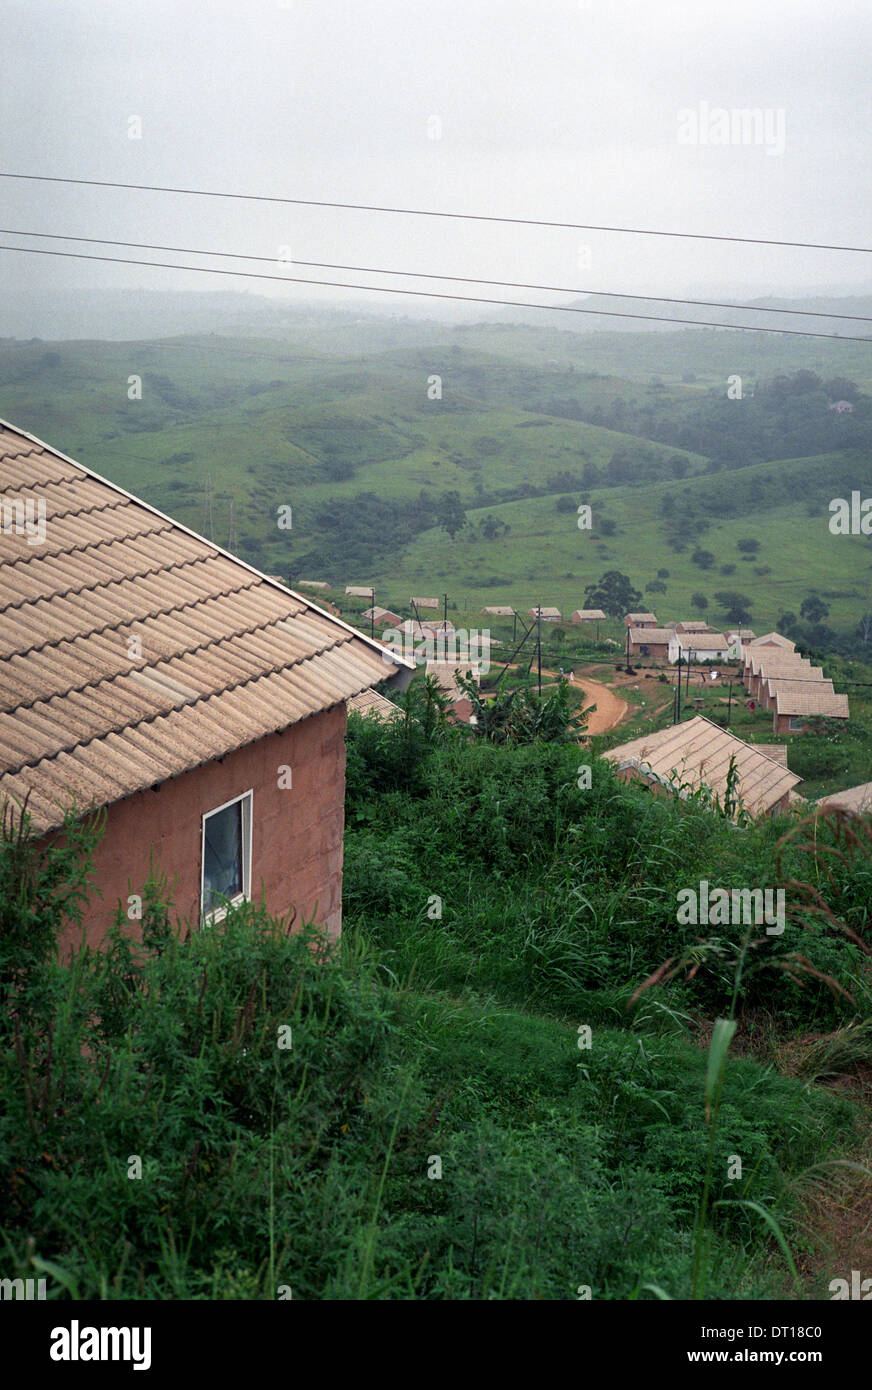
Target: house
x,y
640,620
445,674
841,407
745,635
761,665
773,639
588,615
694,625
383,616
548,615
149,674
424,603
358,591
811,679
795,710
499,612
650,641
697,646
312,584
858,800
685,757
373,706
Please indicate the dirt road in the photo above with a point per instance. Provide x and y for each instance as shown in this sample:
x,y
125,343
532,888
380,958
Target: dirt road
x,y
610,708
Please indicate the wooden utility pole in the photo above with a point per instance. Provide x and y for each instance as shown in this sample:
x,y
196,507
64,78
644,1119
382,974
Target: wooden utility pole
x,y
372,612
539,644
678,691
729,703
628,651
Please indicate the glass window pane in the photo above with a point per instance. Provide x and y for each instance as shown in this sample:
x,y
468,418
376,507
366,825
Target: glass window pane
x,y
222,856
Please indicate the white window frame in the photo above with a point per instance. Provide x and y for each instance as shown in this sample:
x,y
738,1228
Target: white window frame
x,y
247,800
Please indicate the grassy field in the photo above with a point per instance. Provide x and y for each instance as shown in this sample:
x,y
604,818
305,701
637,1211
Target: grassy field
x,y
335,421
801,554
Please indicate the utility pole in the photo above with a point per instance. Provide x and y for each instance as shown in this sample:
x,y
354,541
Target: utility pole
x,y
729,703
678,691
372,612
444,611
628,651
539,644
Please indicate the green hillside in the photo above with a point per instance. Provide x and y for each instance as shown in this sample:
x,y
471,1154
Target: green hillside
x,y
335,418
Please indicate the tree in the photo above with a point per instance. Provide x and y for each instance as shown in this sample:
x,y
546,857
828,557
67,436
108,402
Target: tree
x,y
614,593
699,602
787,623
813,609
490,526
520,716
737,607
450,514
704,558
748,546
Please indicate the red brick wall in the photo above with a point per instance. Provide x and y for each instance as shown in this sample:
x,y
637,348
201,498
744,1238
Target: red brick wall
x,y
296,856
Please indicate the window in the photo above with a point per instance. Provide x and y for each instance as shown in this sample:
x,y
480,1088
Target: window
x,y
226,858
795,722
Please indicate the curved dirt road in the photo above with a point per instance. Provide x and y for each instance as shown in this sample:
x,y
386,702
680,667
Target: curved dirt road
x,y
610,708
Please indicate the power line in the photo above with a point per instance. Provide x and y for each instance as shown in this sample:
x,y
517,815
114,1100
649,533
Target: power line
x,y
431,212
430,275
434,294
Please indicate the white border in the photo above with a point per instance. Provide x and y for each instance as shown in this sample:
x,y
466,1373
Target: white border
x,y
247,798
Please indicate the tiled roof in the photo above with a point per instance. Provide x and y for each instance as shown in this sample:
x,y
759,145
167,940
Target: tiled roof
x,y
776,751
544,613
445,674
370,703
635,618
656,635
812,679
857,799
499,611
818,702
699,752
588,615
425,602
378,614
773,639
133,650
702,641
768,660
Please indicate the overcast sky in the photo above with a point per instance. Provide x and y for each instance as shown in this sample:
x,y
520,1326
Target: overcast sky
x,y
554,109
